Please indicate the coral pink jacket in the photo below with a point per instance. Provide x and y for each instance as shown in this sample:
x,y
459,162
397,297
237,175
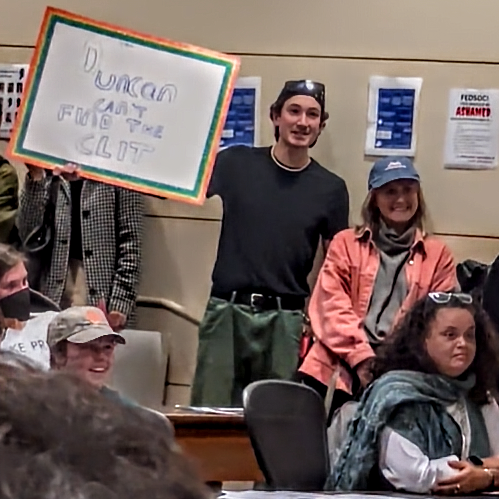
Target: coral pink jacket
x,y
341,297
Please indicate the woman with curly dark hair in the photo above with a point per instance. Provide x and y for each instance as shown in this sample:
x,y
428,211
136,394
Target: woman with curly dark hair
x,y
429,422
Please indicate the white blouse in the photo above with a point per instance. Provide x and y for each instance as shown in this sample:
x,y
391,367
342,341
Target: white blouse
x,y
405,466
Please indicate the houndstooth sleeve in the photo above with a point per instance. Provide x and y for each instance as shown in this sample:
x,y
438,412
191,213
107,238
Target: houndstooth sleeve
x,y
34,198
129,230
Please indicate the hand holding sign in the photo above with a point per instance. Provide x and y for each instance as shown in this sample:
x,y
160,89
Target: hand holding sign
x,y
34,172
69,171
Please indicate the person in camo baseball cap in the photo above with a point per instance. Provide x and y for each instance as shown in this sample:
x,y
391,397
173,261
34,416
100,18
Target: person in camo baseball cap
x,y
80,325
81,341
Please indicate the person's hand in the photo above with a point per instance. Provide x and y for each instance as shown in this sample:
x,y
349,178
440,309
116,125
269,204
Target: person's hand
x,y
69,171
307,327
306,339
470,478
364,373
35,172
116,320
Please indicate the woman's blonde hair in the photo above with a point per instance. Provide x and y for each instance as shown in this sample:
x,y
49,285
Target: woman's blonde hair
x,y
371,215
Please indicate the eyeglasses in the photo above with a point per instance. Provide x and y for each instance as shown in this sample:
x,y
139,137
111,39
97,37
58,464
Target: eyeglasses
x,y
443,298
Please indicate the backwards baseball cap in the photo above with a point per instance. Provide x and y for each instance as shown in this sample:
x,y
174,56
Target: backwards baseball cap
x,y
391,168
301,87
80,325
291,88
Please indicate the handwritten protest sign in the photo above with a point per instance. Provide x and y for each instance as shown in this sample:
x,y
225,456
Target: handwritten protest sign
x,y
132,110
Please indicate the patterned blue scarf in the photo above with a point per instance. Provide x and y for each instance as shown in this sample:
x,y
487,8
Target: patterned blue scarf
x,y
427,396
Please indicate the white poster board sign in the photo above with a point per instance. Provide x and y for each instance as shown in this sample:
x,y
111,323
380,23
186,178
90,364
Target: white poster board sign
x,y
391,116
472,135
132,110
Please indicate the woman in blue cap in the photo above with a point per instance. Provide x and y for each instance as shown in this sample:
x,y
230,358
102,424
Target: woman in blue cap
x,y
371,276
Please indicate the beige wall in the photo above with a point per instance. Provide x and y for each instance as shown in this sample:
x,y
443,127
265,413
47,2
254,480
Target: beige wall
x,y
449,43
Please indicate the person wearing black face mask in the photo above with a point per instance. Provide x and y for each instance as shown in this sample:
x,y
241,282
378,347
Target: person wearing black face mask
x,y
14,290
19,332
16,305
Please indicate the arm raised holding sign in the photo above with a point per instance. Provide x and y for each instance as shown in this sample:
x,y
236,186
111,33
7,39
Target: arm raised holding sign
x,y
97,244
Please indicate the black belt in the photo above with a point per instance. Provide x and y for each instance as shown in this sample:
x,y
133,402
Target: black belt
x,y
261,301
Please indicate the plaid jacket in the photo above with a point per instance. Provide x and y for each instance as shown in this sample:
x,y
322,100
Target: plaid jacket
x,y
112,226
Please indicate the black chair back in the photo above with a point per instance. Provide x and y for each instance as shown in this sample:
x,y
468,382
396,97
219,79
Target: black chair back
x,y
287,427
40,303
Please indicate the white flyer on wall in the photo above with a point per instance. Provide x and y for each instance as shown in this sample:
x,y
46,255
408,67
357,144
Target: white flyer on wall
x,y
12,79
391,116
472,136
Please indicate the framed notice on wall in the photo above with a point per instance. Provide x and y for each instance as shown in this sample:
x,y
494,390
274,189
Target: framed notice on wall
x,y
12,79
392,116
133,110
242,126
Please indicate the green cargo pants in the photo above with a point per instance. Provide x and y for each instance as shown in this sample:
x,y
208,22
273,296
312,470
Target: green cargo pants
x,y
238,345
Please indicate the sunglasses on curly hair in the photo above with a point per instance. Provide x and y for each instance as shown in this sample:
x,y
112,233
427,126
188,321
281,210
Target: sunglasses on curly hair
x,y
443,298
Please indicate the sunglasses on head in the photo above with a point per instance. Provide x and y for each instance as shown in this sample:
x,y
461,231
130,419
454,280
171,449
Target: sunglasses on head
x,y
305,85
442,298
308,87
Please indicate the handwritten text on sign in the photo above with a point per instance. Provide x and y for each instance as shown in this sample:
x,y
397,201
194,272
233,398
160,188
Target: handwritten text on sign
x,y
139,112
124,98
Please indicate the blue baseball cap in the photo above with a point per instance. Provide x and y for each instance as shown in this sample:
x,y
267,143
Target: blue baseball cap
x,y
391,168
